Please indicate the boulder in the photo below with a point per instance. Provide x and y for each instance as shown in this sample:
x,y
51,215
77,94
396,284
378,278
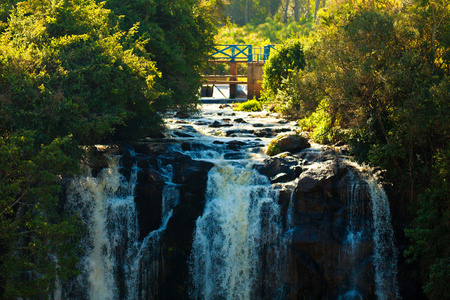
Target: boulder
x,y
292,143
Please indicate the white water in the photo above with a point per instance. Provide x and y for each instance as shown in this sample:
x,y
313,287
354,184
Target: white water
x,y
115,265
382,234
385,256
239,223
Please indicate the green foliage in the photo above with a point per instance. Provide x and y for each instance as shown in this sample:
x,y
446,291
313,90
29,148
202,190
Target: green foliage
x,y
284,61
77,77
318,124
268,32
377,76
430,232
250,105
179,36
36,238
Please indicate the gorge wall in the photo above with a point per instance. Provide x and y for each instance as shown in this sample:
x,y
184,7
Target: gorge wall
x,y
205,216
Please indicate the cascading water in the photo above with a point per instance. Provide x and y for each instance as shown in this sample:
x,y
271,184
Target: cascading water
x,y
357,233
247,238
240,223
385,256
377,228
106,206
115,265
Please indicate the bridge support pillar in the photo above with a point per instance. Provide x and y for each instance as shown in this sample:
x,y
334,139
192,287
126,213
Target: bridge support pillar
x,y
233,86
254,79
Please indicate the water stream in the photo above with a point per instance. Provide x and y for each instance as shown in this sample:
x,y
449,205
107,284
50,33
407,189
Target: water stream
x,y
242,241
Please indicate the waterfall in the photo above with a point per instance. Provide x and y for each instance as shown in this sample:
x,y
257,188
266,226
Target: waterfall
x,y
106,207
385,256
240,224
380,232
357,232
114,264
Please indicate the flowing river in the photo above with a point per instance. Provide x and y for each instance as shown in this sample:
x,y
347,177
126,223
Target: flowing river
x,y
254,236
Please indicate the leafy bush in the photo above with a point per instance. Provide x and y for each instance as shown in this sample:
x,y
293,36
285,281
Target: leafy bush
x,y
251,105
284,61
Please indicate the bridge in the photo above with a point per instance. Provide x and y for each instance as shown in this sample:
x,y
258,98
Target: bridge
x,y
233,55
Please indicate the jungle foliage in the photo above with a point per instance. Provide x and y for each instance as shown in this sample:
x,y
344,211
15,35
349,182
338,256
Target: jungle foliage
x,y
76,73
377,76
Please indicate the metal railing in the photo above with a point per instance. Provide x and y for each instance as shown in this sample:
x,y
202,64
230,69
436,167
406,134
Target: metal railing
x,y
243,53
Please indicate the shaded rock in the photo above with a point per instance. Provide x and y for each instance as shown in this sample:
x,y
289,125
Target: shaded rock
x,y
235,145
148,198
280,177
218,124
258,125
239,120
182,115
182,134
264,133
186,146
237,132
283,163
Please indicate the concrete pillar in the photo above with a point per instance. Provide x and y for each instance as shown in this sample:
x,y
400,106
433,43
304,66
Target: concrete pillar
x,y
254,79
233,86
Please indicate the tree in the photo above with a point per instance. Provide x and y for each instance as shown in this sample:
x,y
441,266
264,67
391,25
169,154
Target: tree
x,y
37,240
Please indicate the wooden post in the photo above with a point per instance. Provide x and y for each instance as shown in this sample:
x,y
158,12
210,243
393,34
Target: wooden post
x,y
254,79
233,86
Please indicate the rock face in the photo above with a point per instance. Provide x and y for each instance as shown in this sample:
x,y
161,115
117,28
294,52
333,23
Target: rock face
x,y
326,215
155,162
323,261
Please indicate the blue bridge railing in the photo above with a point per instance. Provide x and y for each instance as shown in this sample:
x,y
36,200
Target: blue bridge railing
x,y
246,53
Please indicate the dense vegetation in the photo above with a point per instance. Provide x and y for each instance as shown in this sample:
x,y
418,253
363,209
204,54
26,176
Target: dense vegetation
x,y
76,73
377,76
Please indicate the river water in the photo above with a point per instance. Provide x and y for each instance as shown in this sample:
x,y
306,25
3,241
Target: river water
x,y
240,244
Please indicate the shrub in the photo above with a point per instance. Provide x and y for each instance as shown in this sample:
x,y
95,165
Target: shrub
x,y
283,61
251,105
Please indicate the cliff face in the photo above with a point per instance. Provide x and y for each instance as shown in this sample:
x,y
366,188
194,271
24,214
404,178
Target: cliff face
x,y
327,220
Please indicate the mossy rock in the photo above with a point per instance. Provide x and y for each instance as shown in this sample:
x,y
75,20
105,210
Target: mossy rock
x,y
287,143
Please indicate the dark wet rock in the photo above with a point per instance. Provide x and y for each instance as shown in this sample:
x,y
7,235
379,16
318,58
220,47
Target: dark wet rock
x,y
258,125
283,129
280,177
292,143
218,124
238,132
239,120
148,198
235,145
321,216
201,123
182,134
283,163
188,128
182,115
96,160
186,146
264,133
222,106
189,172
